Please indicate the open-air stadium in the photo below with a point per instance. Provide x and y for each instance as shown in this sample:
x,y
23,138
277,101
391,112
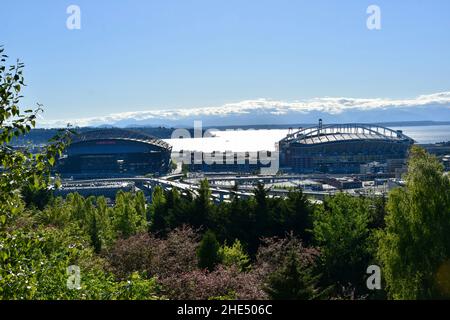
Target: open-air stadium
x,y
342,148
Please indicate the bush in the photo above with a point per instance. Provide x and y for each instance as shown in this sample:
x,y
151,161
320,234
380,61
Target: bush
x,y
272,252
151,256
136,288
134,254
219,284
34,266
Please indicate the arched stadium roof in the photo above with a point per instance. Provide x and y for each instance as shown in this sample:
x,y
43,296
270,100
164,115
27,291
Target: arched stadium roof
x,y
120,134
345,132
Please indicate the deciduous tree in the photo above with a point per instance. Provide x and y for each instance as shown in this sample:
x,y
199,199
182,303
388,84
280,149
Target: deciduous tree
x,y
414,249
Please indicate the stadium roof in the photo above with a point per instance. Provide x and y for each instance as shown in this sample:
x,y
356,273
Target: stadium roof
x,y
345,132
120,134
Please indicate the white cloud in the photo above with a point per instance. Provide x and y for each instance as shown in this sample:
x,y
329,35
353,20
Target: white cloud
x,y
327,105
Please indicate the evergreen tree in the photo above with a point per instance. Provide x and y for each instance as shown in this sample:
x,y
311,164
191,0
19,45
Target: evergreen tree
x,y
341,232
260,193
140,205
158,211
77,205
202,206
239,223
262,215
297,216
292,281
234,256
378,213
175,212
127,220
104,215
36,197
208,251
94,233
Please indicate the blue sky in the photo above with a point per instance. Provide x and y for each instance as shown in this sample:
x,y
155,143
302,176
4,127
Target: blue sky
x,y
140,55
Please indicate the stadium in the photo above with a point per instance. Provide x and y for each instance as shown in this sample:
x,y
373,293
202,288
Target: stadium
x,y
114,153
343,148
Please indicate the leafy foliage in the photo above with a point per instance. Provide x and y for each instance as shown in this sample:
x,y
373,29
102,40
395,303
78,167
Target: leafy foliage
x,y
154,256
341,231
282,248
208,251
234,255
292,281
20,168
414,248
222,283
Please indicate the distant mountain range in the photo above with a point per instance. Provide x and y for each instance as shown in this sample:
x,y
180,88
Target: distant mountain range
x,y
432,107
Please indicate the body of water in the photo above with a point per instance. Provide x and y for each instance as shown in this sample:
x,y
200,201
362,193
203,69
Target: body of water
x,y
427,134
265,139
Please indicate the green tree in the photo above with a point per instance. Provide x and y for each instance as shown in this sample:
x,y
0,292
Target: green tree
x,y
158,211
203,207
297,215
414,248
140,205
234,255
260,194
33,265
342,234
58,214
292,281
177,209
238,223
76,203
262,214
21,168
94,232
37,197
103,214
128,221
208,251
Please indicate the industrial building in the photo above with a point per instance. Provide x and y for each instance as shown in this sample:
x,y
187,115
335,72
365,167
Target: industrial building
x,y
342,148
114,153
